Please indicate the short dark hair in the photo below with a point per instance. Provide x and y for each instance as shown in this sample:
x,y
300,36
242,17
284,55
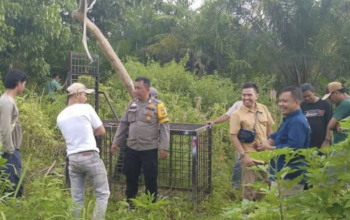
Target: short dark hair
x,y
342,90
14,77
145,81
307,87
251,85
295,92
54,75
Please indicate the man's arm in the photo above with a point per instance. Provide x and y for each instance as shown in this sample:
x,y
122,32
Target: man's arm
x,y
164,127
96,122
235,126
122,131
270,141
328,118
238,146
100,131
329,112
56,86
6,128
296,138
269,131
341,113
227,115
269,144
164,141
219,120
332,124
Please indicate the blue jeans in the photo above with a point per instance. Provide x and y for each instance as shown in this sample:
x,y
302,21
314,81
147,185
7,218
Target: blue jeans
x,y
13,172
89,164
236,176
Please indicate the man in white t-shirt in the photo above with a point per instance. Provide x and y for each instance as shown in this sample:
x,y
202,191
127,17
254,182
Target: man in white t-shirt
x,y
79,124
237,167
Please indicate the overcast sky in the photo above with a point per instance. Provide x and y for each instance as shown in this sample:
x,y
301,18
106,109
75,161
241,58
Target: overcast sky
x,y
197,4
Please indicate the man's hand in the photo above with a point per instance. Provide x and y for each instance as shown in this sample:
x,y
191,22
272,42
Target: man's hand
x,y
209,123
256,146
163,154
338,128
114,148
264,146
247,161
325,144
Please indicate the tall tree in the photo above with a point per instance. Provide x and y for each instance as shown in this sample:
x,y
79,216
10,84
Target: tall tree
x,y
33,32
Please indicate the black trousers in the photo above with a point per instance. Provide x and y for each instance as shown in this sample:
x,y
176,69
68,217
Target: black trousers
x,y
13,172
148,160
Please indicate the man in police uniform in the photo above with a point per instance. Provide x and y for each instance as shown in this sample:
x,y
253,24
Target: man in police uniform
x,y
145,126
120,165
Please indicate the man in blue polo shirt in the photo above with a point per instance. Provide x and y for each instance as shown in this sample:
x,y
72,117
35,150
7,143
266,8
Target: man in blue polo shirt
x,y
294,133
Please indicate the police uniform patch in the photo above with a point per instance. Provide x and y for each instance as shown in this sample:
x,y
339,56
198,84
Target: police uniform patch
x,y
162,114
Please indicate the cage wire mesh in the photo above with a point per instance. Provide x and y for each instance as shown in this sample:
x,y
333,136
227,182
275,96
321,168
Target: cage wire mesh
x,y
187,170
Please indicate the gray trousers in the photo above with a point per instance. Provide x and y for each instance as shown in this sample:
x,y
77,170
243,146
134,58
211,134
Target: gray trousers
x,y
82,165
236,176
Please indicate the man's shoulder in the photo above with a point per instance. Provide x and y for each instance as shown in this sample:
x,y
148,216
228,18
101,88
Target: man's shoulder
x,y
239,111
303,104
7,101
85,106
300,119
262,107
156,101
53,82
345,102
325,103
130,103
237,104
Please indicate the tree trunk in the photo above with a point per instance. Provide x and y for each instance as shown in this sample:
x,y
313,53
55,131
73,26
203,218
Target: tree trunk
x,y
106,48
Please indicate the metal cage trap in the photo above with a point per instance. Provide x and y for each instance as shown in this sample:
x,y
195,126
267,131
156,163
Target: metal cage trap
x,y
187,171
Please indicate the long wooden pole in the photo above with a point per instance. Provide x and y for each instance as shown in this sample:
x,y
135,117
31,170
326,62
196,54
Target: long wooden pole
x,y
106,48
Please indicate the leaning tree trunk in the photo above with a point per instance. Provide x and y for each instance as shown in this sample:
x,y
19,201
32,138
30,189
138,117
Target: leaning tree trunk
x,y
105,47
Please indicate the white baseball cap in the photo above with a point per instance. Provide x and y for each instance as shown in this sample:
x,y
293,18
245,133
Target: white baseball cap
x,y
77,88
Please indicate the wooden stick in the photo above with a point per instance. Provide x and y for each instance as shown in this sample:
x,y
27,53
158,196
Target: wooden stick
x,y
106,48
50,168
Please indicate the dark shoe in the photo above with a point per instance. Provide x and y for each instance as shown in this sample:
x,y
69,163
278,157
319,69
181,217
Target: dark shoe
x,y
131,206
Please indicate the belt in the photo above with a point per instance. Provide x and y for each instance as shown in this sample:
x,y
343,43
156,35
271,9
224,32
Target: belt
x,y
86,153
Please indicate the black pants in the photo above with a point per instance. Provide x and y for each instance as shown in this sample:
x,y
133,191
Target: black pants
x,y
148,160
13,172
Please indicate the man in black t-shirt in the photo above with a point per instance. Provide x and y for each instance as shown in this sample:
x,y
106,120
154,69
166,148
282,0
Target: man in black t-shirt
x,y
318,113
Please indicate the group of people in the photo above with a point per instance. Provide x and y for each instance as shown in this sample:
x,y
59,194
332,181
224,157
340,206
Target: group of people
x,y
144,133
308,121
